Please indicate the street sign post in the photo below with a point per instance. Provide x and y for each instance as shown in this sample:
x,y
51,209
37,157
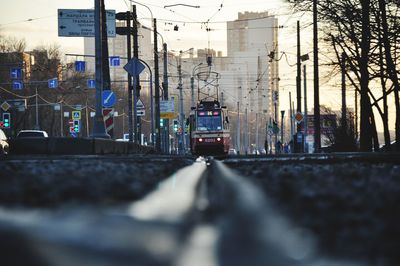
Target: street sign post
x,y
52,83
16,73
108,98
167,109
115,60
76,115
91,83
80,66
17,85
134,67
80,23
140,108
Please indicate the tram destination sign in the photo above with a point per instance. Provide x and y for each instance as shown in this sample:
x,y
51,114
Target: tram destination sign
x,y
80,23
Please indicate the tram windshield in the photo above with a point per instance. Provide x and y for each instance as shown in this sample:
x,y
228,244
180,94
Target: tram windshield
x,y
209,120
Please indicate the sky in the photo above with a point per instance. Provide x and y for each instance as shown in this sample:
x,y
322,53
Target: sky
x,y
36,22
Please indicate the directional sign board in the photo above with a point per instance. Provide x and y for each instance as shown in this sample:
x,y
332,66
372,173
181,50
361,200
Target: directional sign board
x,y
80,23
80,66
16,73
17,85
134,67
108,98
139,104
52,83
91,83
115,60
167,110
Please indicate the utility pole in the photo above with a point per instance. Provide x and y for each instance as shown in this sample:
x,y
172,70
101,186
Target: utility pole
x,y
165,94
305,111
256,133
282,116
344,120
298,77
191,91
246,132
317,115
37,127
99,130
157,89
127,17
291,116
136,97
238,129
181,111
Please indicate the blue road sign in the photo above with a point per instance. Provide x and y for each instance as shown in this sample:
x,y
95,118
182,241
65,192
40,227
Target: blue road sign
x,y
16,73
134,67
17,85
115,60
91,83
52,83
108,98
80,66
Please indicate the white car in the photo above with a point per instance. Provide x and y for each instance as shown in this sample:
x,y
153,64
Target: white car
x,y
32,134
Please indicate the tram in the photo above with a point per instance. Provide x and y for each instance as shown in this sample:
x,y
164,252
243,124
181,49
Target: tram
x,y
209,129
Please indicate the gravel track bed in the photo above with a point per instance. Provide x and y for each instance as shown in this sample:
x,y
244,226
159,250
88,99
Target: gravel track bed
x,y
352,207
72,181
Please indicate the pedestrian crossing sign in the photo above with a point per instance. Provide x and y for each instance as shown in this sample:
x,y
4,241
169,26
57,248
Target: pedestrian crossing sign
x,y
76,115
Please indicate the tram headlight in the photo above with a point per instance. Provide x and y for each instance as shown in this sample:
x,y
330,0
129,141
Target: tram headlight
x,y
200,140
218,139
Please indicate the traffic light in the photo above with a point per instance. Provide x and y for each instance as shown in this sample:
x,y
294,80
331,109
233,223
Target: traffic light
x,y
6,120
176,125
161,122
76,126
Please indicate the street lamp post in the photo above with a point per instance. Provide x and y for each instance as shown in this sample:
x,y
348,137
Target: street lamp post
x,y
181,112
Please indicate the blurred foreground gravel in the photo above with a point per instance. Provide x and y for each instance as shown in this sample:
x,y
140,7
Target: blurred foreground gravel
x,y
351,207
42,182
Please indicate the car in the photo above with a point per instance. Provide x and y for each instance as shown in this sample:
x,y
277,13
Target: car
x,y
32,134
232,151
4,147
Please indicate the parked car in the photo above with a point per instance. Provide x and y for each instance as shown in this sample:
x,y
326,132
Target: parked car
x,y
32,134
3,143
232,151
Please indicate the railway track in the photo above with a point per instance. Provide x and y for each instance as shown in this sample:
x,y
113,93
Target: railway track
x,y
203,214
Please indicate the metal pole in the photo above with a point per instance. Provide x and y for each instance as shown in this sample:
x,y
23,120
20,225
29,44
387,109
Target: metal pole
x,y
257,133
317,123
99,129
165,90
87,117
238,129
192,91
298,77
37,127
246,132
282,115
130,88
61,120
291,116
137,125
344,122
305,111
157,90
181,113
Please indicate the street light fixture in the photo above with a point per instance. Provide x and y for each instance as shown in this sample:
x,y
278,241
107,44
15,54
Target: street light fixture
x,y
181,5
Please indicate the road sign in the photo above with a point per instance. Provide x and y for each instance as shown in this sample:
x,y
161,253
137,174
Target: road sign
x,y
66,114
167,109
91,83
80,66
134,67
17,85
16,73
139,104
108,98
52,83
115,60
140,112
298,117
80,23
5,106
76,115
